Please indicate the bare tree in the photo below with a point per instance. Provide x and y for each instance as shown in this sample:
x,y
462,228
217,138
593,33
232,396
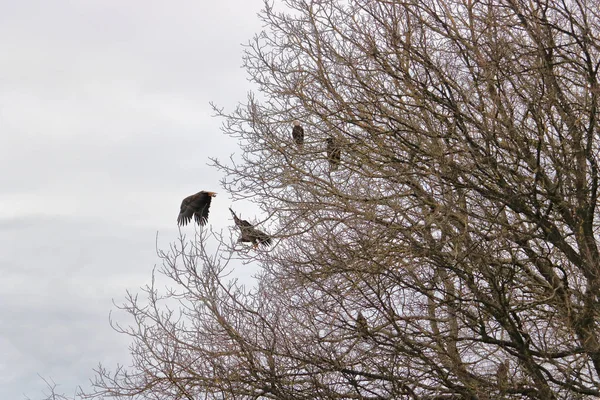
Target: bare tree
x,y
52,392
460,220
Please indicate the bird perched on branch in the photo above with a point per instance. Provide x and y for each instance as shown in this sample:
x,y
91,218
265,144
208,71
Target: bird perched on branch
x,y
298,134
251,234
196,205
502,375
334,153
362,326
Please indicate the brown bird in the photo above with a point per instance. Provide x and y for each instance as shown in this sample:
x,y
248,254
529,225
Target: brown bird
x,y
362,326
298,134
251,234
196,205
334,153
502,375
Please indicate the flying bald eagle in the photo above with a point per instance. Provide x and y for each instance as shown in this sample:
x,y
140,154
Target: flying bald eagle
x,y
251,234
362,326
334,153
298,134
196,205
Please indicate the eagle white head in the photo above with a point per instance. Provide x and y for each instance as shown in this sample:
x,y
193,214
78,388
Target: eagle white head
x,y
296,123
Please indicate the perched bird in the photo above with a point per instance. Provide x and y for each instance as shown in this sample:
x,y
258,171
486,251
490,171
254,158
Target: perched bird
x,y
298,134
334,153
362,326
249,233
196,205
502,375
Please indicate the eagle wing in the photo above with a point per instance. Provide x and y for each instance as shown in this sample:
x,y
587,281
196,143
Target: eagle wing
x,y
250,233
201,215
196,205
186,211
258,237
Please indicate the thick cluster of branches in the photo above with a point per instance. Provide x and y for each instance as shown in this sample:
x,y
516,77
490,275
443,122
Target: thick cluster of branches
x,y
461,224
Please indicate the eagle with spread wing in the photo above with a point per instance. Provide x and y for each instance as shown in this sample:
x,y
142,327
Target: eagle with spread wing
x,y
251,234
196,205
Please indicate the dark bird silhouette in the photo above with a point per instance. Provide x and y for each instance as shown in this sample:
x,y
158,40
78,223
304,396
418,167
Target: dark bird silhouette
x,y
250,234
298,134
362,326
334,153
196,205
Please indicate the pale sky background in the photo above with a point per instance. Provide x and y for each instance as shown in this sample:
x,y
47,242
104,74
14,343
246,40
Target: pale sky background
x,y
105,125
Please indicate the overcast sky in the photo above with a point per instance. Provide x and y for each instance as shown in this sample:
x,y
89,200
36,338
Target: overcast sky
x,y
105,125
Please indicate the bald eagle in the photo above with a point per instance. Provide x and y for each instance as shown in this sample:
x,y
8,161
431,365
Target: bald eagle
x,y
334,153
251,234
196,205
298,134
362,326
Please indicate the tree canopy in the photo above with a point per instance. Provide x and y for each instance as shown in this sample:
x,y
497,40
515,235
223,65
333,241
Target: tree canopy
x,y
452,253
